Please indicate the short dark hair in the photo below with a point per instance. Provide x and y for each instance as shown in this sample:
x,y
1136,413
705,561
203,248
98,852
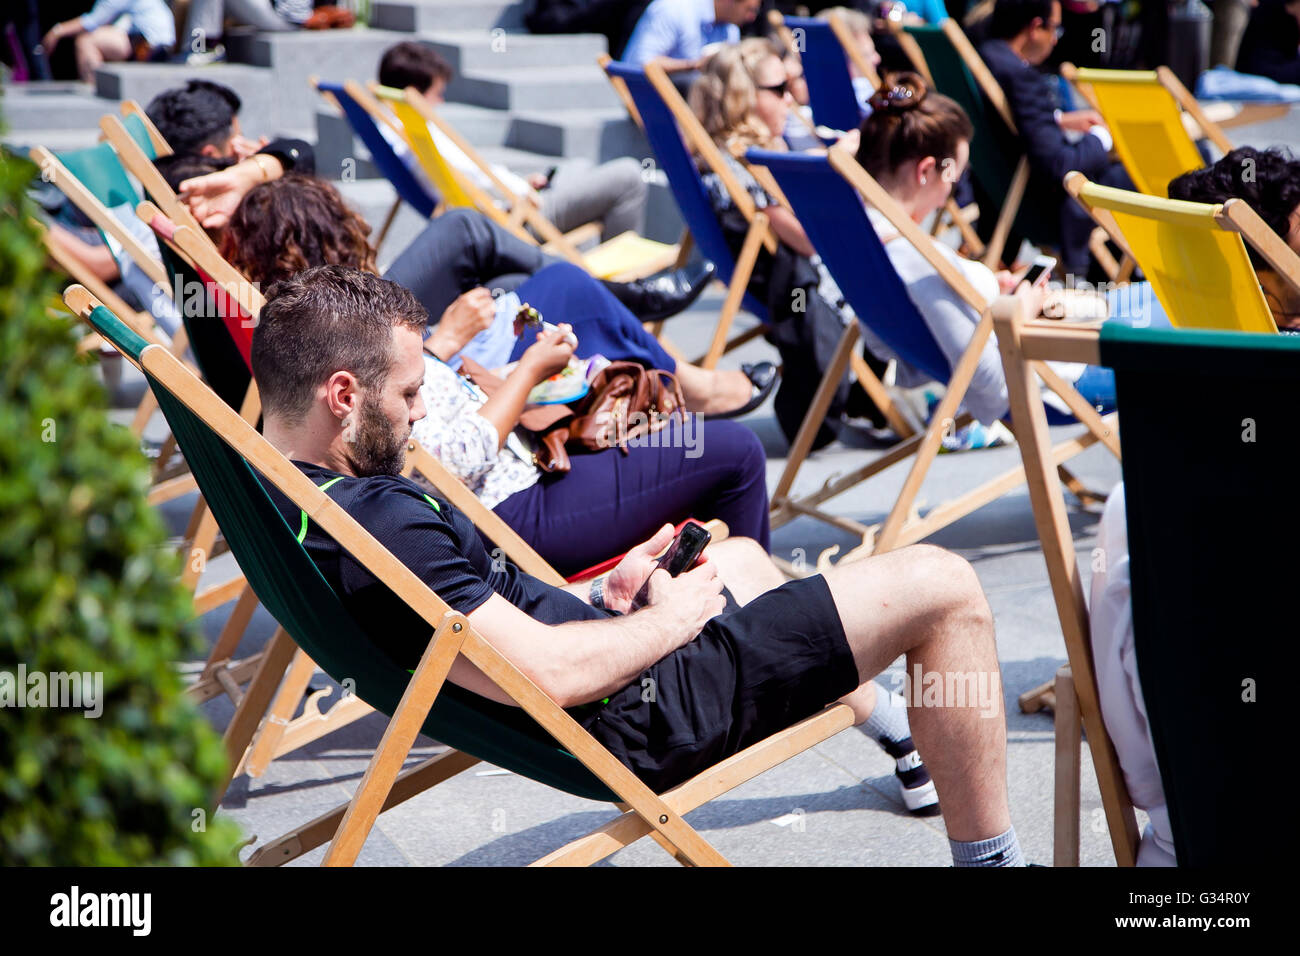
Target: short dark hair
x,y
178,167
1268,180
412,64
196,115
322,321
1009,17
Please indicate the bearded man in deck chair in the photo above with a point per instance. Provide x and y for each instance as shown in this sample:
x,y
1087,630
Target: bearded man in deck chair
x,y
338,359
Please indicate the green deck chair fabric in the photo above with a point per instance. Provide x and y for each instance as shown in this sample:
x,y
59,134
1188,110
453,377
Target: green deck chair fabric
x,y
1213,527
994,149
298,597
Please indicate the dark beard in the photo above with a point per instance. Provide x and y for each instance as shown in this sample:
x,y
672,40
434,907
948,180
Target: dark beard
x,y
376,449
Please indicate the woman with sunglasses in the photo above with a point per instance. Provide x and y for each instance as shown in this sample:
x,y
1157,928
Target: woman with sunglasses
x,y
742,99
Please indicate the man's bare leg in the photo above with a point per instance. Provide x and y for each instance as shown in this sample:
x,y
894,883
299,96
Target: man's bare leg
x,y
745,568
927,603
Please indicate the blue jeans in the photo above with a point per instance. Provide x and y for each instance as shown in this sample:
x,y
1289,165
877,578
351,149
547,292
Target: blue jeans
x,y
1134,305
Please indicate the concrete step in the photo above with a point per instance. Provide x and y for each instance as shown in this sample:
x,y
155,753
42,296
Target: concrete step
x,y
476,50
52,106
260,114
58,140
576,87
597,134
423,16
294,58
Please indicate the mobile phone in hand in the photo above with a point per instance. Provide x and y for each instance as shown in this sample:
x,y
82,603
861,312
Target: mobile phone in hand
x,y
680,556
1042,266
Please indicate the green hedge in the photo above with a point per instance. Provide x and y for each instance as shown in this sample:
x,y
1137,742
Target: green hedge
x,y
87,585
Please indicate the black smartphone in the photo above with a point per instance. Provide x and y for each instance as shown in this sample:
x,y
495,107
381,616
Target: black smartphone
x,y
680,556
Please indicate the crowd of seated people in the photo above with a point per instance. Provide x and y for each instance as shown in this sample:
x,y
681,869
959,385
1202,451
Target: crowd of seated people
x,y
351,365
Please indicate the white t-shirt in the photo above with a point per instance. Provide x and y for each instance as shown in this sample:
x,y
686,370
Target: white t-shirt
x,y
156,299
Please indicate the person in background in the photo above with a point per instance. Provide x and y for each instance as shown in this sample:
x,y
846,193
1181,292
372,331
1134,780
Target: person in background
x,y
114,31
204,27
613,193
1022,34
676,32
742,100
1271,44
859,25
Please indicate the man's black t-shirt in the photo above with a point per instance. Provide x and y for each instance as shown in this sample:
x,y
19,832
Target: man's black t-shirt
x,y
437,542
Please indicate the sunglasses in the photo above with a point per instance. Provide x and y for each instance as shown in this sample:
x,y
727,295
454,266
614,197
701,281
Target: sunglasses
x,y
780,89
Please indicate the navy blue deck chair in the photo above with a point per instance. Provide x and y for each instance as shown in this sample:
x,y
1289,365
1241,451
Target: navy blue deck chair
x,y
1209,598
389,164
233,464
824,193
666,137
826,69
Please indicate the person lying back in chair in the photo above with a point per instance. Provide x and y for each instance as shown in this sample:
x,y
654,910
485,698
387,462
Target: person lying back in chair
x,y
671,688
1268,180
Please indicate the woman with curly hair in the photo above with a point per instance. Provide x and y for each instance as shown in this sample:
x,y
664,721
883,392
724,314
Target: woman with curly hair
x,y
609,501
742,99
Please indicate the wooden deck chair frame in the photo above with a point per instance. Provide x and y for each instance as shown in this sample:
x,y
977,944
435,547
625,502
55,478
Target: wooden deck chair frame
x,y
164,486
522,211
903,526
1025,345
760,234
1234,216
1118,271
384,784
251,745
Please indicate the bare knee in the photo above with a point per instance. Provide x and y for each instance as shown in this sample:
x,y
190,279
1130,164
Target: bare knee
x,y
951,584
745,568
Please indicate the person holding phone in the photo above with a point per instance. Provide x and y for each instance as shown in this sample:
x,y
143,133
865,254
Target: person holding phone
x,y
671,689
916,144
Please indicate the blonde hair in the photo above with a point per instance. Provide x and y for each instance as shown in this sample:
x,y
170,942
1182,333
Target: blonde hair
x,y
724,97
857,21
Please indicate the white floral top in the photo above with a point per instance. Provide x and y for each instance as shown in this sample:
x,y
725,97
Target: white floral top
x,y
466,443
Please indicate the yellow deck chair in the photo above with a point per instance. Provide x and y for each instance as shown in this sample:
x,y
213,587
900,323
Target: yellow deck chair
x,y
1154,120
623,257
1193,254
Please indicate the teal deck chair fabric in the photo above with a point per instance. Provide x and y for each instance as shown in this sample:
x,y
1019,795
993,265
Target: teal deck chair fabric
x,y
994,150
1213,527
298,597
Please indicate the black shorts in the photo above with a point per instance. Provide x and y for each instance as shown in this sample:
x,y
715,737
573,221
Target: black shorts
x,y
749,673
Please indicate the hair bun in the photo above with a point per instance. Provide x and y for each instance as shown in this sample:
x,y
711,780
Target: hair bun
x,y
899,93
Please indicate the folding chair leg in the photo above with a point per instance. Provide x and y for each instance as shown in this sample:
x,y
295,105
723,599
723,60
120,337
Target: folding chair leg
x,y
1010,206
408,784
1069,731
660,839
876,390
143,412
685,246
399,735
277,718
388,223
242,726
816,414
1042,697
736,290
236,624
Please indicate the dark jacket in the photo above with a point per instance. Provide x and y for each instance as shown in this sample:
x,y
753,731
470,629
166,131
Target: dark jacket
x,y
1268,47
1033,100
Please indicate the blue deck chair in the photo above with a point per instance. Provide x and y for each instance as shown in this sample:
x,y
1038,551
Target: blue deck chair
x,y
824,193
826,68
537,739
390,165
652,93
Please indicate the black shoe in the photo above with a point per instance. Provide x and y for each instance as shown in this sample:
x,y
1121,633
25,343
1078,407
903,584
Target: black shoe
x,y
664,295
763,376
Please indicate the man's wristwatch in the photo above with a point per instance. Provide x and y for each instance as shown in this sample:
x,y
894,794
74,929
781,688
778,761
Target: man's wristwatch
x,y
597,595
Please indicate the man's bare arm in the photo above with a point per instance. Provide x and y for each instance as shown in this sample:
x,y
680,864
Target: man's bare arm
x,y
583,661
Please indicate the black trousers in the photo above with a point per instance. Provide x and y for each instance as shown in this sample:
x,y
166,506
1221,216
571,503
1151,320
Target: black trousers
x,y
459,251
